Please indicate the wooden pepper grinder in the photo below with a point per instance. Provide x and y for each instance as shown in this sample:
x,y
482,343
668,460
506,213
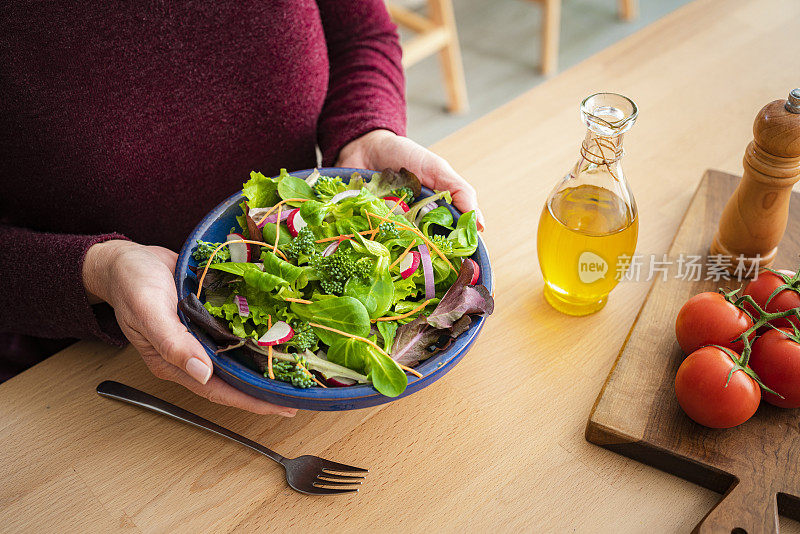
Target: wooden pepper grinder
x,y
754,219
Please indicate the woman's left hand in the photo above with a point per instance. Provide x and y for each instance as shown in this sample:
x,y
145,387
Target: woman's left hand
x,y
382,149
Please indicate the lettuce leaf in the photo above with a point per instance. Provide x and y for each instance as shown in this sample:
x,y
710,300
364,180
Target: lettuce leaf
x,y
260,191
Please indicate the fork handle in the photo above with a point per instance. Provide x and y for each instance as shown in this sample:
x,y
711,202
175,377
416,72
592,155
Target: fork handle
x,y
115,390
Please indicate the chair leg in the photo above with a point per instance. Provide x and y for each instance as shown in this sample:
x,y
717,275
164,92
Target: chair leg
x,y
441,13
551,28
628,9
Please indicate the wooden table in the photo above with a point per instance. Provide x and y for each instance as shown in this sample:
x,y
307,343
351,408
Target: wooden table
x,y
496,445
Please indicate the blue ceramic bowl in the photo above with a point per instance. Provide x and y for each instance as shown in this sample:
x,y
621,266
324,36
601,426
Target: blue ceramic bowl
x,y
233,368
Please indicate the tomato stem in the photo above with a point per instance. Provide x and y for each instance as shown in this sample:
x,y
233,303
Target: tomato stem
x,y
763,318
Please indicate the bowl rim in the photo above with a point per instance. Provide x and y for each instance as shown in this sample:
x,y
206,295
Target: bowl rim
x,y
237,370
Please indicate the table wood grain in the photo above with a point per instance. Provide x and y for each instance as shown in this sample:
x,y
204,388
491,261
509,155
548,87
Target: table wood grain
x,y
498,443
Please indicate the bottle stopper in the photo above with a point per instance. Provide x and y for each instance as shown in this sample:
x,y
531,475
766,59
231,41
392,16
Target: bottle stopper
x,y
754,219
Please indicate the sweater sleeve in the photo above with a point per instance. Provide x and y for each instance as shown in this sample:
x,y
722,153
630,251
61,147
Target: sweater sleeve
x,y
366,86
41,287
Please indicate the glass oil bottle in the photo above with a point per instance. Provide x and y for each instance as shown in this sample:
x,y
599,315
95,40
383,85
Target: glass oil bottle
x,y
589,225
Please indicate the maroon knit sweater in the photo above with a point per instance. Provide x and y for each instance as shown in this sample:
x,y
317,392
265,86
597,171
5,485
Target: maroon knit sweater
x,y
134,119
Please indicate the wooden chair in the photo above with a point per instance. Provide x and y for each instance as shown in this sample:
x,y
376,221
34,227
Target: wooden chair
x,y
435,32
551,25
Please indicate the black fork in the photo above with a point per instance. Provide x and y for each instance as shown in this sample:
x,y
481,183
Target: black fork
x,y
307,474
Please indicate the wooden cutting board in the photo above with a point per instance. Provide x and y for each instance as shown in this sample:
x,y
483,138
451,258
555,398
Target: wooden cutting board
x,y
756,465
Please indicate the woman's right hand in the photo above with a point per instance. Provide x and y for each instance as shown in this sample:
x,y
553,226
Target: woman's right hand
x,y
137,281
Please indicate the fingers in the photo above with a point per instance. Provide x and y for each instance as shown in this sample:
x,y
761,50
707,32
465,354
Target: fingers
x,y
465,198
178,347
157,321
217,391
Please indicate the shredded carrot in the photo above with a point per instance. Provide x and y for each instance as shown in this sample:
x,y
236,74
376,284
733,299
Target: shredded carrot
x,y
407,314
314,378
208,262
277,230
403,255
397,203
269,351
365,340
410,370
299,301
276,206
420,234
343,237
279,251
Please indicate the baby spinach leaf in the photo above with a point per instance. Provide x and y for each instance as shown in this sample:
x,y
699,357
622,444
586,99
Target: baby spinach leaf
x,y
440,216
293,187
375,294
465,236
387,329
373,248
386,376
413,212
342,313
283,269
256,278
270,231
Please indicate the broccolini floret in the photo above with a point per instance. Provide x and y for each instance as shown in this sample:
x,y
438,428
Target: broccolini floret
x,y
387,230
328,186
338,268
400,191
303,244
304,337
442,243
205,249
293,372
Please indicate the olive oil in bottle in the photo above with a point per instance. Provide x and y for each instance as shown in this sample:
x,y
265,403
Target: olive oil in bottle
x,y
589,225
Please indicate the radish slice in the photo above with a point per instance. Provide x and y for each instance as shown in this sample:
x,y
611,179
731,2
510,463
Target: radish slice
x,y
280,332
476,274
409,264
427,270
345,194
240,252
423,211
340,381
330,249
241,302
396,205
258,213
295,222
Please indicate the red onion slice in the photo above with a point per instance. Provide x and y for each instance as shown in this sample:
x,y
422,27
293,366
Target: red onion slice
x,y
330,249
345,194
427,270
424,211
257,213
241,302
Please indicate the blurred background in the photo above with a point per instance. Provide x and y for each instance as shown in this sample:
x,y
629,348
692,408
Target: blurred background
x,y
502,47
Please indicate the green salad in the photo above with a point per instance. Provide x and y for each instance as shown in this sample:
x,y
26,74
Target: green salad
x,y
331,283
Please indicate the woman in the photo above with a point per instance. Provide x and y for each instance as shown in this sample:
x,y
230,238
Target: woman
x,y
122,126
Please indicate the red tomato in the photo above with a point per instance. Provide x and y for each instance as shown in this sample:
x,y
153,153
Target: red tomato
x,y
763,286
708,319
776,361
701,391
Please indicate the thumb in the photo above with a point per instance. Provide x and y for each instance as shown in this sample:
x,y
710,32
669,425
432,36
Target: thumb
x,y
177,346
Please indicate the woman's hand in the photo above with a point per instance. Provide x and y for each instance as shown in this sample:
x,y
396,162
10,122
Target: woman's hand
x,y
382,149
136,280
